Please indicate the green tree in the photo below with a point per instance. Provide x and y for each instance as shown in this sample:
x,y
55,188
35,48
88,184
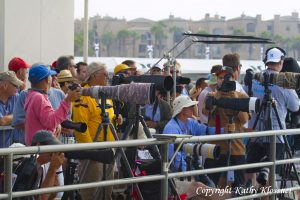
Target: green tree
x,y
158,31
107,40
78,44
122,36
296,47
134,37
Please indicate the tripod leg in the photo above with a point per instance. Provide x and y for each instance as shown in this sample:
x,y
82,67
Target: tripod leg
x,y
157,152
127,165
286,143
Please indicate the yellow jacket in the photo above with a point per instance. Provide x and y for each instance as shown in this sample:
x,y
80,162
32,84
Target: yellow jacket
x,y
90,114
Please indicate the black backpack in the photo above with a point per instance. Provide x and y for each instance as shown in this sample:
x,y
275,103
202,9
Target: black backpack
x,y
27,175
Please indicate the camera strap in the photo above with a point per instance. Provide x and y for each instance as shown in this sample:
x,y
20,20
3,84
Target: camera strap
x,y
218,123
186,131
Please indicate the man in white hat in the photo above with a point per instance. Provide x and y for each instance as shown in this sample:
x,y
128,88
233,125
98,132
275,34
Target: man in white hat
x,y
182,123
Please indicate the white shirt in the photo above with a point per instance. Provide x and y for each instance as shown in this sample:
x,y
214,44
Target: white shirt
x,y
203,118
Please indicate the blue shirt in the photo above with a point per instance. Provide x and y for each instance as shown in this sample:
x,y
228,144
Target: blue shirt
x,y
285,99
55,97
149,112
7,135
191,127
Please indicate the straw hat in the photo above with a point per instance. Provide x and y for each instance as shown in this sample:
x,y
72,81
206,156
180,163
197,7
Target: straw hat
x,y
65,76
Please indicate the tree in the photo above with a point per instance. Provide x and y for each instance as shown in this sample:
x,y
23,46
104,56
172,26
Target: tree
x,y
78,44
158,31
107,40
122,36
134,36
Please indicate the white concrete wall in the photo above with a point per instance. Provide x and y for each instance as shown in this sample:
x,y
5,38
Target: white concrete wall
x,y
36,30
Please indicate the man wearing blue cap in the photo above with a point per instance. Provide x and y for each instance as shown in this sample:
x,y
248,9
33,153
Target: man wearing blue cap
x,y
40,115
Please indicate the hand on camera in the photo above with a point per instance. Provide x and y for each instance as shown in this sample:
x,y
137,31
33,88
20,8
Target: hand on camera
x,y
151,124
57,159
119,119
73,95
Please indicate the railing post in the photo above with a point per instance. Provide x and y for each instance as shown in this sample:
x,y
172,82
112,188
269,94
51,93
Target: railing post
x,y
8,174
273,167
165,171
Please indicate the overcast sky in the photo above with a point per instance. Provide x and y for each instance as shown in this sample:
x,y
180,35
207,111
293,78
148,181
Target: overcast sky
x,y
187,9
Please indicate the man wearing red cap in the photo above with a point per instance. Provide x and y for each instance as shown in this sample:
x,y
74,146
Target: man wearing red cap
x,y
19,66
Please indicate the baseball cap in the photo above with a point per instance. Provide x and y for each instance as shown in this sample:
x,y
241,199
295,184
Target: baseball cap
x,y
157,66
92,68
212,79
39,72
182,102
17,63
122,67
225,69
274,55
45,137
64,76
11,77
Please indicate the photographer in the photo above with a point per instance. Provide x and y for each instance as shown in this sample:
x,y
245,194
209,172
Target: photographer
x,y
286,99
233,61
157,114
90,114
48,164
232,151
182,124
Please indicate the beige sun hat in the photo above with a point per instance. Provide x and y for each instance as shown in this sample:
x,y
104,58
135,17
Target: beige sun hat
x,y
65,76
11,77
92,68
182,102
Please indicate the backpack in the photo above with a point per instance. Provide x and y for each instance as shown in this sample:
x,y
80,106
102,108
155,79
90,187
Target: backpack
x,y
27,175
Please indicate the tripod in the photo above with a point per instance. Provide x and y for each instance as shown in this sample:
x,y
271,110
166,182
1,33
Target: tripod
x,y
69,180
267,105
105,124
133,130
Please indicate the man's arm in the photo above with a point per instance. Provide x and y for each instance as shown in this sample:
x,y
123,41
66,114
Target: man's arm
x,y
292,100
57,160
6,120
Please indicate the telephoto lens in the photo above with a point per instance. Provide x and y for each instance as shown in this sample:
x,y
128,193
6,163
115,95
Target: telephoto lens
x,y
207,150
263,176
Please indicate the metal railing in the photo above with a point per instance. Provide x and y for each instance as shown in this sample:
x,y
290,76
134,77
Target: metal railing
x,y
8,154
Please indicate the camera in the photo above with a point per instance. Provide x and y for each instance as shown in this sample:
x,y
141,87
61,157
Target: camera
x,y
287,80
78,126
263,175
162,83
99,155
227,84
239,104
138,93
73,86
207,150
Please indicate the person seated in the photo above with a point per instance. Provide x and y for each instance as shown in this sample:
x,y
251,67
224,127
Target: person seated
x,y
48,164
182,124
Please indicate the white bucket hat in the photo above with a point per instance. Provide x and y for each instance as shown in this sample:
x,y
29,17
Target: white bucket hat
x,y
182,102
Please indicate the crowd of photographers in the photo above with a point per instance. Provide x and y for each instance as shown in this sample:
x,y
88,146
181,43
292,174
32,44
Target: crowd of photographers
x,y
39,114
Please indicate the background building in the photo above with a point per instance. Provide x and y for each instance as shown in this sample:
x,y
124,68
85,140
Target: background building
x,y
122,38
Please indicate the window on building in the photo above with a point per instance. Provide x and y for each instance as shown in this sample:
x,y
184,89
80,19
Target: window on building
x,y
287,28
142,48
218,31
251,27
269,27
298,25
